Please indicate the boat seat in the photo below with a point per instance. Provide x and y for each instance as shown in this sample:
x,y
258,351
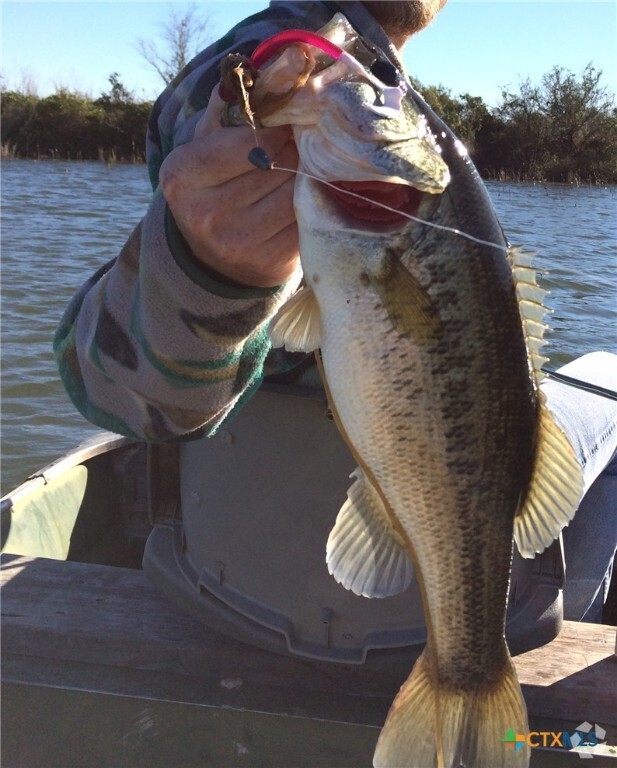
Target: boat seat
x,y
247,558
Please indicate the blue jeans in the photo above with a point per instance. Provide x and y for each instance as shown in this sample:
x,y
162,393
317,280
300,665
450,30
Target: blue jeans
x,y
590,541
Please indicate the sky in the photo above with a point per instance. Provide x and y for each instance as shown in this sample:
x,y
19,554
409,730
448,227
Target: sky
x,y
473,46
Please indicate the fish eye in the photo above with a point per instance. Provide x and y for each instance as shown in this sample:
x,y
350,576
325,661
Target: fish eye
x,y
385,71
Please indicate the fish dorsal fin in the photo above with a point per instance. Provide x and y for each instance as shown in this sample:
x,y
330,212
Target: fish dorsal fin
x,y
297,325
556,485
555,489
531,306
364,552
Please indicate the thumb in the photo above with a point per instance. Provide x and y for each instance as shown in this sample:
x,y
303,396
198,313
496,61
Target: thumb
x,y
210,121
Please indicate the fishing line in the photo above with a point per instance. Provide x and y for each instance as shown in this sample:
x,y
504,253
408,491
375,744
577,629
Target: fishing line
x,y
259,158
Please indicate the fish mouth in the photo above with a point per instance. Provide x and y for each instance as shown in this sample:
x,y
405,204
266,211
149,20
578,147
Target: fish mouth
x,y
376,202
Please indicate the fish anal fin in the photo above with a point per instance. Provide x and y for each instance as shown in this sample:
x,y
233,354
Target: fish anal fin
x,y
297,325
408,304
364,553
555,489
473,724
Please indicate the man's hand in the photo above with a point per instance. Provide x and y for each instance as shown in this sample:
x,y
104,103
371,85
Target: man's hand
x,y
237,220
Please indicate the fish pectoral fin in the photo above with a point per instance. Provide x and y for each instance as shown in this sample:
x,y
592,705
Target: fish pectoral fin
x,y
408,304
364,552
555,489
297,325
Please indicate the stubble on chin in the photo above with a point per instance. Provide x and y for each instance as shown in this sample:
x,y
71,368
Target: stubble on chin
x,y
403,17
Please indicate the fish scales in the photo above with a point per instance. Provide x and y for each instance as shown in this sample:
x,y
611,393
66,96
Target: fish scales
x,y
436,442
428,347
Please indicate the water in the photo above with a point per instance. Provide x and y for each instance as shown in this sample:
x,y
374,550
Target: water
x,y
62,221
574,231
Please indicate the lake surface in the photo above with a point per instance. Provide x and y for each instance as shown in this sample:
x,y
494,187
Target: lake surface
x,y
61,221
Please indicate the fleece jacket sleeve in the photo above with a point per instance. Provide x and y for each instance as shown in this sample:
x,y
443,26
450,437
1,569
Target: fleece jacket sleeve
x,y
154,348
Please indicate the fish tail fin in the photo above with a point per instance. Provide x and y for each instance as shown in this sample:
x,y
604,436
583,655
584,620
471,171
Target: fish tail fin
x,y
431,726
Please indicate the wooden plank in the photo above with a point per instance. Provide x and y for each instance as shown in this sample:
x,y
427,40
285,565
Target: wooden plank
x,y
65,618
108,630
45,727
574,678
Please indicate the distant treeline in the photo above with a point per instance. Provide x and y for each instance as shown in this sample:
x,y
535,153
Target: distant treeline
x,y
562,130
71,126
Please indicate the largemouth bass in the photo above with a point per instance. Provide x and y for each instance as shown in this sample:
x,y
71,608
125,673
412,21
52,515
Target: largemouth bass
x,y
429,345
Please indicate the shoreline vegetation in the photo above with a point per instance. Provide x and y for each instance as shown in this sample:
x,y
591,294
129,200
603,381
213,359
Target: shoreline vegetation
x,y
562,130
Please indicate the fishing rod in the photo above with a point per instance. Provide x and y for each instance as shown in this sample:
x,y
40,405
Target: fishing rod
x,y
586,386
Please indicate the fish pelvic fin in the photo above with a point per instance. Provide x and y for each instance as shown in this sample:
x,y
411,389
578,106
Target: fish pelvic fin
x,y
364,553
555,489
297,325
433,727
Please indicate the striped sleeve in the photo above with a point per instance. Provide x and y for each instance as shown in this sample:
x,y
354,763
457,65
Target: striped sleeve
x,y
152,346
151,351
